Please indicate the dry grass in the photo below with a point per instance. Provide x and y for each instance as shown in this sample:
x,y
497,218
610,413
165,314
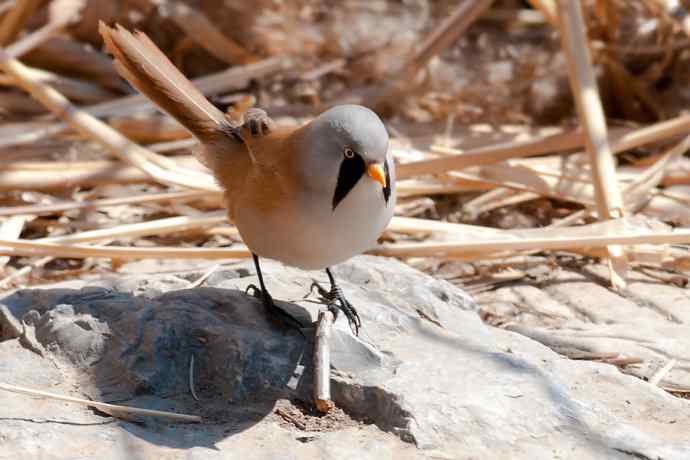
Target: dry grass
x,y
113,179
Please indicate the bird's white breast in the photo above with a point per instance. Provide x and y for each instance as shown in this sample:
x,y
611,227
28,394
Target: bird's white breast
x,y
311,235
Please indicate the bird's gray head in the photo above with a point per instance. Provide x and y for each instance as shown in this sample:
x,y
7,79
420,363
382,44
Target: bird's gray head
x,y
345,145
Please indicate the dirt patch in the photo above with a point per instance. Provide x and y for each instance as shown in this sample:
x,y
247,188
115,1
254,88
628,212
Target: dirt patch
x,y
305,417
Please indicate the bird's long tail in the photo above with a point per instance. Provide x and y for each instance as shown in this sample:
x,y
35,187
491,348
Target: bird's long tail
x,y
145,66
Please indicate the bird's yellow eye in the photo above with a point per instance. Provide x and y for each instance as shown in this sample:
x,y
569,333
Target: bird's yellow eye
x,y
349,153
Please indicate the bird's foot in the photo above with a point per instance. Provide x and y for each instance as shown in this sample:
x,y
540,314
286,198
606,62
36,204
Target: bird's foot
x,y
258,122
275,312
337,302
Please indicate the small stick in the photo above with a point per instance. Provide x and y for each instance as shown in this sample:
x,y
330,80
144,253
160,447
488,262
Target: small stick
x,y
5,282
624,361
201,281
661,373
191,378
114,410
289,418
322,362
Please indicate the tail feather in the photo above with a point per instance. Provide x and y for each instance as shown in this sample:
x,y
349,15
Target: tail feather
x,y
141,63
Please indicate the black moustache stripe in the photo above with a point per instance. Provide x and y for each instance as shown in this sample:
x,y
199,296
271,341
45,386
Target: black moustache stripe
x,y
387,188
351,171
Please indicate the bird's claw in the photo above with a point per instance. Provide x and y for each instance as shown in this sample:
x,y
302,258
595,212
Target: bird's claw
x,y
258,122
324,294
337,303
256,291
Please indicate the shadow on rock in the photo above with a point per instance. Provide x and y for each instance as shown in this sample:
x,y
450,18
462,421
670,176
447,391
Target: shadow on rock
x,y
136,350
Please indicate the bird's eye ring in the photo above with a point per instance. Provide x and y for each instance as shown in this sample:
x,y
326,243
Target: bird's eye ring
x,y
349,153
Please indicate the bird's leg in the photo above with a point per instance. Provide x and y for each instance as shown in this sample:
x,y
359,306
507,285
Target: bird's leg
x,y
272,309
337,301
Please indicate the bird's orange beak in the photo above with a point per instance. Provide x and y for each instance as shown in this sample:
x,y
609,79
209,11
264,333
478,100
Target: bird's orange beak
x,y
375,171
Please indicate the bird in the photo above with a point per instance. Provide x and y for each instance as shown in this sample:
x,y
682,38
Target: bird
x,y
310,197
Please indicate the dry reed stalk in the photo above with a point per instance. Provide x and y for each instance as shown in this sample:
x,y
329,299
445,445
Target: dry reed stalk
x,y
475,206
413,225
76,90
195,284
554,185
62,13
31,41
443,249
47,209
572,219
205,34
490,154
88,125
231,232
153,227
97,173
227,80
57,174
61,54
412,187
182,144
608,196
513,200
570,140
584,87
150,130
443,36
13,22
641,189
33,249
31,132
662,131
114,410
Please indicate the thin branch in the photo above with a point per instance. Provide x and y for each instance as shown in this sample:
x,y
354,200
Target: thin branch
x,y
114,410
